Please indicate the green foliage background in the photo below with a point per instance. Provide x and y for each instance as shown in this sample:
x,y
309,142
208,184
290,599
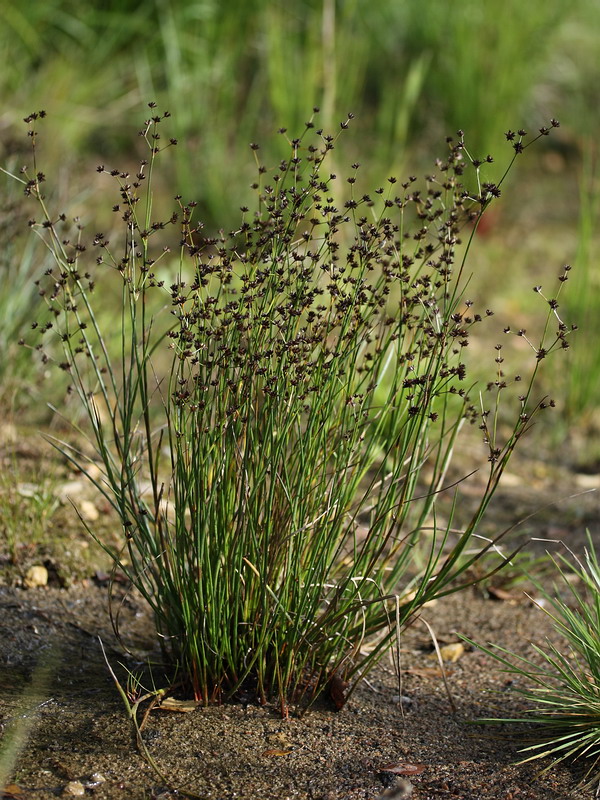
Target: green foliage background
x,y
234,72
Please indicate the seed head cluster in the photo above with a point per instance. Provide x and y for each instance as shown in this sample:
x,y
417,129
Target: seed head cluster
x,y
308,289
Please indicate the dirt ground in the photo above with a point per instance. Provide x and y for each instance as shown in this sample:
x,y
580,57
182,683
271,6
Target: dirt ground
x,y
76,736
80,728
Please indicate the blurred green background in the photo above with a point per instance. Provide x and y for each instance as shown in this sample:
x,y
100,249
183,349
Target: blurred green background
x,y
234,71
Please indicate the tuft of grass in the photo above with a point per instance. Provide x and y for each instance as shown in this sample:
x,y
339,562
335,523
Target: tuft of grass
x,y
26,511
562,683
277,426
19,265
258,64
582,396
478,79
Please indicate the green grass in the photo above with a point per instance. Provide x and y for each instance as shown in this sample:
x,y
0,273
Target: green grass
x,y
561,683
21,260
233,73
582,393
26,512
486,61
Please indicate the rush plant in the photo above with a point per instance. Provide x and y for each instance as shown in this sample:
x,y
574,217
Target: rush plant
x,y
276,428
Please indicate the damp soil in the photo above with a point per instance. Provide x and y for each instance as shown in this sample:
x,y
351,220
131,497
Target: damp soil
x,y
77,735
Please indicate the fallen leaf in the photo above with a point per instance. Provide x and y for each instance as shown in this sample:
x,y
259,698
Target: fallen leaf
x,y
496,593
10,791
427,672
450,652
403,768
183,706
337,690
279,741
408,596
275,752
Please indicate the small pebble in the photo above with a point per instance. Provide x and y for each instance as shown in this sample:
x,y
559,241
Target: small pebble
x,y
450,652
403,699
88,511
74,789
36,576
403,790
96,778
540,602
70,490
93,472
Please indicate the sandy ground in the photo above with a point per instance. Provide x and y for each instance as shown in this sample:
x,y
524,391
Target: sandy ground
x,y
79,727
57,695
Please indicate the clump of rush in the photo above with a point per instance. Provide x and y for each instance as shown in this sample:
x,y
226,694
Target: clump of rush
x,y
274,409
